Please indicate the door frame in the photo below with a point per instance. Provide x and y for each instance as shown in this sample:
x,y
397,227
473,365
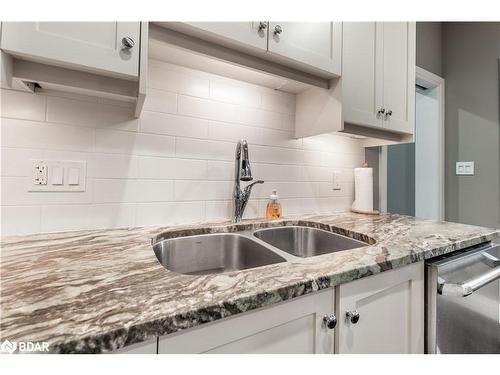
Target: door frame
x,y
430,81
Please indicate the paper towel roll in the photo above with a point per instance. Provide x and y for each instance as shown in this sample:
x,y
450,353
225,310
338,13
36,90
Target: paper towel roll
x,y
363,189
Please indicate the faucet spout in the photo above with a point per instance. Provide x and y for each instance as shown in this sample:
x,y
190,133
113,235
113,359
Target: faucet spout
x,y
242,173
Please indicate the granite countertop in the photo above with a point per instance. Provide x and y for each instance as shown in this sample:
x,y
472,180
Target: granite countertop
x,y
100,290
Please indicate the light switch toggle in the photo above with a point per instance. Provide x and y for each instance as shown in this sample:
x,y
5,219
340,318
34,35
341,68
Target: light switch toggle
x,y
73,176
57,175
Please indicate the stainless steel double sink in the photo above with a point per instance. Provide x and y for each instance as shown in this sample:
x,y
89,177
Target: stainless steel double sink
x,y
225,252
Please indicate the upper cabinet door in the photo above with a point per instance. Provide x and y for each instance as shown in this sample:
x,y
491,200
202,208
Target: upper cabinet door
x,y
362,73
313,44
399,76
98,47
245,34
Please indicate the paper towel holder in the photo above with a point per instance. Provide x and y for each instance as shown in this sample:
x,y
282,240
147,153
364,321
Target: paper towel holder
x,y
365,212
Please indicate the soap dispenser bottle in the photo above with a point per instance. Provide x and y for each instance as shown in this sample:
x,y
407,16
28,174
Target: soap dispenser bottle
x,y
273,211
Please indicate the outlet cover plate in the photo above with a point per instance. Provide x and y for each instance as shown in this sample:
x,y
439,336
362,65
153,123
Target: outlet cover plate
x,y
61,166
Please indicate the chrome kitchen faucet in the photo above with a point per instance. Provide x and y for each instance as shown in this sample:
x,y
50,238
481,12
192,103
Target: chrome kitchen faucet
x,y
242,173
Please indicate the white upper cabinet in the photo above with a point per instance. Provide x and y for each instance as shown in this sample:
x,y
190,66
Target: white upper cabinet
x,y
251,34
399,76
310,48
378,76
110,48
315,44
362,69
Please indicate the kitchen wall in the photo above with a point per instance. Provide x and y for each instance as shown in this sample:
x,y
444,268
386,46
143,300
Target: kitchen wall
x,y
470,61
174,164
429,46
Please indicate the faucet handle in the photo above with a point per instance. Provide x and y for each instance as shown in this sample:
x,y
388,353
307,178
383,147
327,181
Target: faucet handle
x,y
249,187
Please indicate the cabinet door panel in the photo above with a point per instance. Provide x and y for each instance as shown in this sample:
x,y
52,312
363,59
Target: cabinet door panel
x,y
316,44
362,73
399,75
295,337
246,34
90,46
390,307
289,327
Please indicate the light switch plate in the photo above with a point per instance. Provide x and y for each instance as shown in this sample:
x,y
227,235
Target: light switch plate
x,y
57,175
464,168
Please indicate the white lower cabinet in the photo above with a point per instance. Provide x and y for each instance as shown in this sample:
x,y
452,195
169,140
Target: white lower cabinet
x,y
391,313
288,327
386,316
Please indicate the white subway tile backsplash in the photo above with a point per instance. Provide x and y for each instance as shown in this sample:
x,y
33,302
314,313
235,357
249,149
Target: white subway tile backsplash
x,y
113,166
202,190
169,168
170,213
15,193
126,190
160,101
235,92
268,154
277,172
161,76
77,217
22,105
122,142
162,123
31,134
204,149
96,115
16,161
220,170
223,131
173,165
218,210
278,102
20,219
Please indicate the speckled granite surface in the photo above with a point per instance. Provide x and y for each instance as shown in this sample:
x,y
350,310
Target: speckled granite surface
x,y
99,290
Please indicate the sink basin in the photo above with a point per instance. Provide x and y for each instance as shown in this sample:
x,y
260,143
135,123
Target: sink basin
x,y
213,253
305,241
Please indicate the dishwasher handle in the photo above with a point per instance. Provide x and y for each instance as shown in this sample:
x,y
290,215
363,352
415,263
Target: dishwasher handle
x,y
468,287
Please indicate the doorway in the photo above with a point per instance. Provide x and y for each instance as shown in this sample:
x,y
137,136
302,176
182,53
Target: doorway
x,y
412,175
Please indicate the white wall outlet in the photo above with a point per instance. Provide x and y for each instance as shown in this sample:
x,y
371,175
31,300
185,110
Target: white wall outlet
x,y
39,172
336,184
58,175
464,168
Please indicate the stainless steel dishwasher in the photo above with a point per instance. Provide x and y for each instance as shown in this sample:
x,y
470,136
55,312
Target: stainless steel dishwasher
x,y
463,301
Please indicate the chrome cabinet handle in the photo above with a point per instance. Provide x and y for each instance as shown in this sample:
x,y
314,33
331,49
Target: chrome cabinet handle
x,y
388,114
128,42
381,111
352,316
330,321
278,30
262,25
